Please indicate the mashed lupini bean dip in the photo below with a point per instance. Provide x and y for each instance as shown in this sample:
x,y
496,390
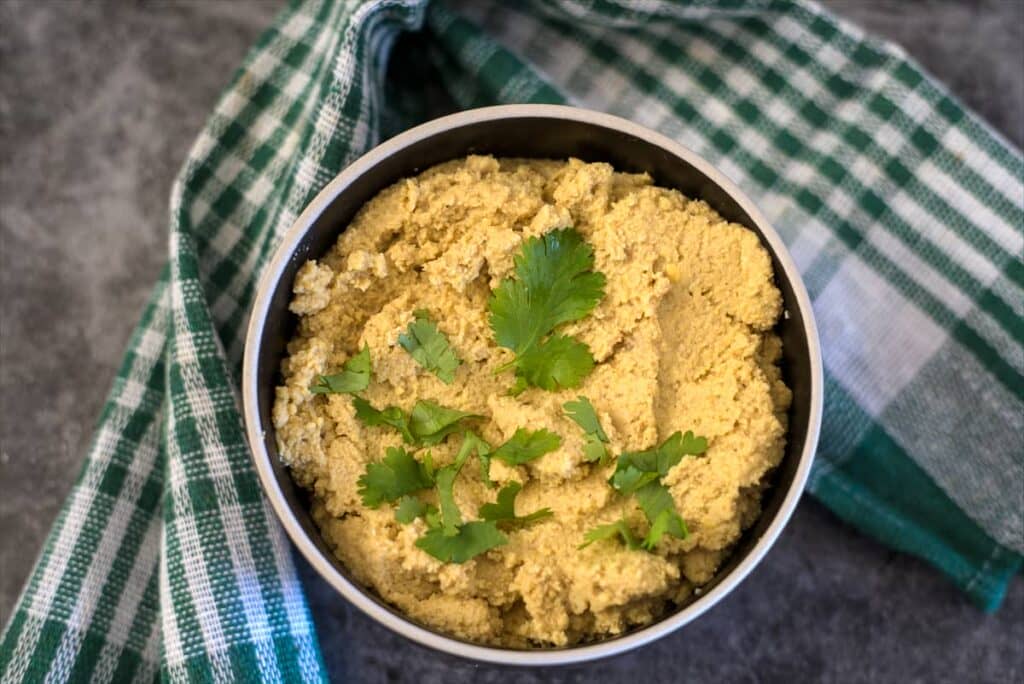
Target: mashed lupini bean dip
x,y
535,401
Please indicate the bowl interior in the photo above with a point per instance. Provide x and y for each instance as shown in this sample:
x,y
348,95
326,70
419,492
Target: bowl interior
x,y
538,137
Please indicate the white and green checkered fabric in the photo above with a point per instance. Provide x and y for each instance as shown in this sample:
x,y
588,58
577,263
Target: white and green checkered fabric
x,y
904,212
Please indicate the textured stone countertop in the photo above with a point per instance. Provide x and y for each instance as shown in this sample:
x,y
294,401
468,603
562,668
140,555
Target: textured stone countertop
x,y
98,106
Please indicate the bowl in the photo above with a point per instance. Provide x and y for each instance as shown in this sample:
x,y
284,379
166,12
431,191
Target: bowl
x,y
539,131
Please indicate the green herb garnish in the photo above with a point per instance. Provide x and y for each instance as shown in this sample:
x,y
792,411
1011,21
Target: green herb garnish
x,y
557,362
634,469
527,445
640,473
451,518
429,347
449,539
504,510
583,414
355,376
397,475
392,416
409,508
428,424
473,442
472,539
618,528
554,284
657,504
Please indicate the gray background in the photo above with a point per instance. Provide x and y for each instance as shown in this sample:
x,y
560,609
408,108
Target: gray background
x,y
99,103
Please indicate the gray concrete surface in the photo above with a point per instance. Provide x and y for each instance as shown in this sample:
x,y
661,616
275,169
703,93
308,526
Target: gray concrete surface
x,y
98,105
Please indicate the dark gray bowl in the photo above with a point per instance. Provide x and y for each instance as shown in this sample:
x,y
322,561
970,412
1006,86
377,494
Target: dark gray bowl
x,y
540,131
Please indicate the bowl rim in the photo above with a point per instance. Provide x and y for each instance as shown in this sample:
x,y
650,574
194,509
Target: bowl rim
x,y
359,596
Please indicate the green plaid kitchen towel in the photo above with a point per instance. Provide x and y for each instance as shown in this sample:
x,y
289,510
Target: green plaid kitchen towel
x,y
902,209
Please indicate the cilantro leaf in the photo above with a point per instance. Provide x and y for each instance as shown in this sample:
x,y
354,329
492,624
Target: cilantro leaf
x,y
640,473
397,475
504,510
428,466
527,445
634,469
554,284
430,423
392,416
582,412
429,347
675,447
629,479
355,376
690,445
432,518
449,539
618,528
595,451
471,540
451,518
473,442
556,363
660,509
666,522
409,508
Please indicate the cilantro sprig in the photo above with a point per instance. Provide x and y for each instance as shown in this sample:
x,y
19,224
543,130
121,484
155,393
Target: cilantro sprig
x,y
583,414
554,284
503,511
429,423
354,377
634,469
639,473
448,538
429,347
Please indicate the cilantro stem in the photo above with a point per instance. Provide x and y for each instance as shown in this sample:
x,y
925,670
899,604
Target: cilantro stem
x,y
504,367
